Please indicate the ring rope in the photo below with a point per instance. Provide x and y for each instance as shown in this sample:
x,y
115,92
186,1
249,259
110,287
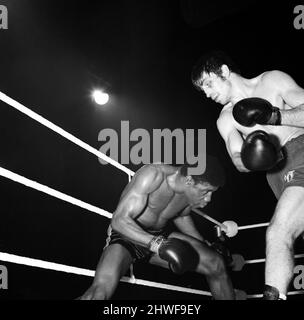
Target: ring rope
x,y
57,194
252,226
297,256
206,216
13,103
290,293
11,258
6,257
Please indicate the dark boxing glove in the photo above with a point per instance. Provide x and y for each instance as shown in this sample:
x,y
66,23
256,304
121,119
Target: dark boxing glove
x,y
258,152
180,254
251,111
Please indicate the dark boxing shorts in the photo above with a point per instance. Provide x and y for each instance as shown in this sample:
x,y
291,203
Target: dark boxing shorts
x,y
290,171
137,252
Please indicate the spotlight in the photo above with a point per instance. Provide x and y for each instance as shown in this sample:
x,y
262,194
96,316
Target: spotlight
x,y
100,97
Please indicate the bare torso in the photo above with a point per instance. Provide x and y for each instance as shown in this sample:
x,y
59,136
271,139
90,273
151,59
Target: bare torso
x,y
163,203
265,90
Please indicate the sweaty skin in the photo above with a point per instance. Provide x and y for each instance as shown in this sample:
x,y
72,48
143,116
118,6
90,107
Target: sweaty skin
x,y
264,86
156,195
152,199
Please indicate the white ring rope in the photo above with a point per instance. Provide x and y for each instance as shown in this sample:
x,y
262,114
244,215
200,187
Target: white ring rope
x,y
13,103
297,256
57,194
11,258
6,257
290,293
252,226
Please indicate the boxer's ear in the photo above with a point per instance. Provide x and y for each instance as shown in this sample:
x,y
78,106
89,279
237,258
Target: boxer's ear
x,y
225,71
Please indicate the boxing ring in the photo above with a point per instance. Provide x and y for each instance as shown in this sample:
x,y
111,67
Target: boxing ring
x,y
31,262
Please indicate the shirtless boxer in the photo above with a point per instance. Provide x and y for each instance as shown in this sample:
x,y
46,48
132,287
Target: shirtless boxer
x,y
156,195
268,106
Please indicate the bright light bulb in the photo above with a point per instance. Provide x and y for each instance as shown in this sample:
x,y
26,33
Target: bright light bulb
x,y
100,97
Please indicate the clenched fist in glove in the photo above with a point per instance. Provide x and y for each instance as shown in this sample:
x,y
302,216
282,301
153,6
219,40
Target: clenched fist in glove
x,y
251,111
258,152
180,255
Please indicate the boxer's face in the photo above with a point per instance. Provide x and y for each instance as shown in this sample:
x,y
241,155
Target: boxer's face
x,y
199,194
216,88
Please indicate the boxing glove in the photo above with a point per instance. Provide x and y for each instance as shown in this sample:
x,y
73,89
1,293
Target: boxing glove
x,y
180,254
251,111
258,152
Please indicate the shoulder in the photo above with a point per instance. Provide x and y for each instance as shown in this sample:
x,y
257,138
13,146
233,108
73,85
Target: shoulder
x,y
276,78
226,124
225,116
148,177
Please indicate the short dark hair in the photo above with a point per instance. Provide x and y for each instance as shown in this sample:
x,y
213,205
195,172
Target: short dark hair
x,y
214,173
212,62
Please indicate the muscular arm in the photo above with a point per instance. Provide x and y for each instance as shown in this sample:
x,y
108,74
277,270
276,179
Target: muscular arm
x,y
232,138
133,203
292,95
186,225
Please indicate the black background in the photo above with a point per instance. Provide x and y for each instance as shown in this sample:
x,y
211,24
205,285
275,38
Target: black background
x,y
53,54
